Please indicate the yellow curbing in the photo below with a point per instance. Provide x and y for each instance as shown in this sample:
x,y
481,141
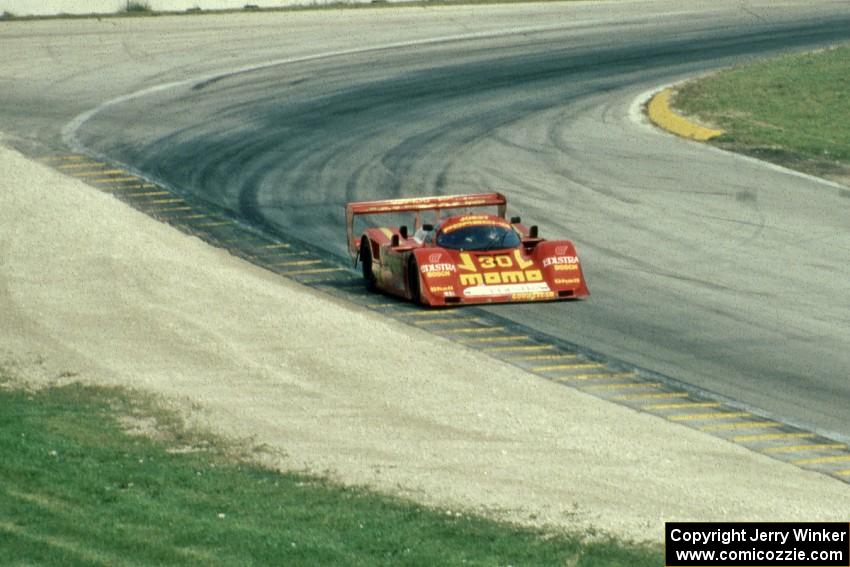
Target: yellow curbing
x,y
660,113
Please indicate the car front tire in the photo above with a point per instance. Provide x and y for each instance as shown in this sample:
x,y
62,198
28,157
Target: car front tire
x,y
413,283
366,264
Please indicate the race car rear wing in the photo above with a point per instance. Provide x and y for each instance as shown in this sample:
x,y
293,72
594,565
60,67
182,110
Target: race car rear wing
x,y
418,205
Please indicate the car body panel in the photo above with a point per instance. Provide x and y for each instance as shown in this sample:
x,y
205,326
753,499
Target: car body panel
x,y
534,270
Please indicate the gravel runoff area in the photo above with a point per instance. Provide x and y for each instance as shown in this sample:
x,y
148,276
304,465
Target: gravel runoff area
x,y
94,291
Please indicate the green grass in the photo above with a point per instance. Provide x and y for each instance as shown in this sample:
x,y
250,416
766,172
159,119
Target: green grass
x,y
793,110
77,489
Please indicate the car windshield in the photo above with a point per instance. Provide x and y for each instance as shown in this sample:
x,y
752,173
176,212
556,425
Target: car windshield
x,y
480,237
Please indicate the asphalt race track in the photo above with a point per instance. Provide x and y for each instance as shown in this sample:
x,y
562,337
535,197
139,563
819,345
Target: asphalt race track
x,y
715,270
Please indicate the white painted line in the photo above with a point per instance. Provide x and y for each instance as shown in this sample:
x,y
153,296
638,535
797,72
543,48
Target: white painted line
x,y
637,116
70,130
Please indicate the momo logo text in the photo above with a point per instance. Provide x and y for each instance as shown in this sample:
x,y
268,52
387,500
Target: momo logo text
x,y
496,269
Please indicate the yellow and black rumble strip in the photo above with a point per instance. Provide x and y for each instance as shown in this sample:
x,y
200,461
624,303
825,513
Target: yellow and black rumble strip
x,y
474,327
283,256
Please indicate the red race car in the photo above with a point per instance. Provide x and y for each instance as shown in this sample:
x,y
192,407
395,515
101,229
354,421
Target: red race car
x,y
464,257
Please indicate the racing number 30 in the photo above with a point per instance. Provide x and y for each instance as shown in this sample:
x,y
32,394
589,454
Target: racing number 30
x,y
490,262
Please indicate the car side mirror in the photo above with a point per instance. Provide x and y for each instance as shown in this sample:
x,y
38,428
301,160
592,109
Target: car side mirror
x,y
402,230
532,232
427,227
516,220
394,241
